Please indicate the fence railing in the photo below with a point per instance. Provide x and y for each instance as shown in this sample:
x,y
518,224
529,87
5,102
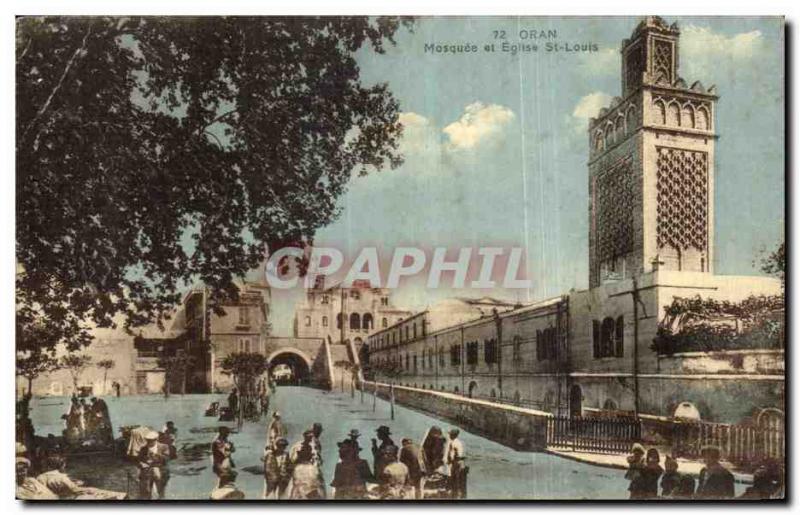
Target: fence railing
x,y
594,434
737,443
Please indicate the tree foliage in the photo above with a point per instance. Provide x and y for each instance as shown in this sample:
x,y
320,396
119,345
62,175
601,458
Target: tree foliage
x,y
155,152
175,369
774,263
33,364
245,368
698,324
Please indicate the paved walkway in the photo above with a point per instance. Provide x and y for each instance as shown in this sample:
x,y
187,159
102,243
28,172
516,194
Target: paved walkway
x,y
618,461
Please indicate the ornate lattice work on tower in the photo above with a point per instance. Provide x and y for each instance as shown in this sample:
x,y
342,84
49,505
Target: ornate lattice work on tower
x,y
682,185
614,195
662,61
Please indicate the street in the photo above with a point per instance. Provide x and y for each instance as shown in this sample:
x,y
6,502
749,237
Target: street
x,y
496,472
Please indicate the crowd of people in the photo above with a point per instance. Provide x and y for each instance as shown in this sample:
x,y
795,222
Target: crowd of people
x,y
646,475
53,482
295,472
88,422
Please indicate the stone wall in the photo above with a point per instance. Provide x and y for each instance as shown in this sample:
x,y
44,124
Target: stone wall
x,y
519,428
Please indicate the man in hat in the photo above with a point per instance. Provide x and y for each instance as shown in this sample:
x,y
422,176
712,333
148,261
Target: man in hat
x,y
152,462
411,458
353,435
29,488
715,481
379,458
276,469
352,473
275,430
221,452
455,458
635,472
227,490
307,480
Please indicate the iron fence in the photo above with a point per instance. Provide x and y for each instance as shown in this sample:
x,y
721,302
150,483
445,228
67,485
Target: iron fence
x,y
594,434
737,443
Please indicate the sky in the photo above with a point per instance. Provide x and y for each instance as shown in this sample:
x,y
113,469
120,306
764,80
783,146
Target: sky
x,y
495,145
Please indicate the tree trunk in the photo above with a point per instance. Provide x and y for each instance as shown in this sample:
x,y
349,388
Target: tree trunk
x,y
30,386
352,387
374,394
183,383
341,377
105,380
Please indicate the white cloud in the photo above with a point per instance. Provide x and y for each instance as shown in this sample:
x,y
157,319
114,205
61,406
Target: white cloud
x,y
588,107
704,52
702,40
478,123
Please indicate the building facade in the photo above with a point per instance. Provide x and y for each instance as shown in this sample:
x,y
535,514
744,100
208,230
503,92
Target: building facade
x,y
343,314
651,178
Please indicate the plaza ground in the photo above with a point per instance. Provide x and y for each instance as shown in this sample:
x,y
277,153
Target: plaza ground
x,y
496,471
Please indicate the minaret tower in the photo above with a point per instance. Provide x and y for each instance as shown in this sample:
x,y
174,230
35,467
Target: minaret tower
x,y
651,165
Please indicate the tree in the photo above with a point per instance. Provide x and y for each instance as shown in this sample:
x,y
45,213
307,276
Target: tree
x,y
105,365
706,325
245,368
138,135
75,364
391,370
775,263
33,364
175,368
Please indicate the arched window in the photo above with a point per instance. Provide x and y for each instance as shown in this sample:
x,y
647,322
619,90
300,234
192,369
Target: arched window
x,y
366,321
630,120
455,390
308,321
384,322
595,338
493,394
517,352
687,116
355,321
620,336
610,405
609,134
517,397
472,387
598,141
619,128
324,321
415,330
702,121
673,115
339,321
